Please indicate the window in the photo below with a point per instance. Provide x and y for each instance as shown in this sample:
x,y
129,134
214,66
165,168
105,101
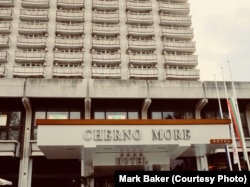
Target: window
x,y
10,123
171,115
116,115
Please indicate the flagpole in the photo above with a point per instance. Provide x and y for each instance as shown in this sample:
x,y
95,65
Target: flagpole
x,y
234,144
244,148
221,116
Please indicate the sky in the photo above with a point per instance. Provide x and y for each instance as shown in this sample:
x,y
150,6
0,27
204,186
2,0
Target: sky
x,y
222,36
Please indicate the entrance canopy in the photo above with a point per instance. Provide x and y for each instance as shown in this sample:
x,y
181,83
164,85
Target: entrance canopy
x,y
62,139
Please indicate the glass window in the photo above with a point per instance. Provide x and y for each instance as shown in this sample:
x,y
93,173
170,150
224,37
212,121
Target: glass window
x,y
57,115
133,115
3,119
156,115
99,115
75,115
116,115
15,118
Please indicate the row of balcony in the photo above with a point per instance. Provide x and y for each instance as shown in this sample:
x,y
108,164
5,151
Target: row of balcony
x,y
102,72
3,56
100,58
139,5
5,27
6,3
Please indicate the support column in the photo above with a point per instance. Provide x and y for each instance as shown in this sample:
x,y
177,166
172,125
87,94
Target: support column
x,y
145,107
87,108
25,169
202,164
199,107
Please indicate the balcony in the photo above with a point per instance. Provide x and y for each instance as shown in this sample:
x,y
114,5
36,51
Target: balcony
x,y
70,4
71,72
28,71
9,147
30,56
2,71
105,17
34,14
141,44
64,42
106,58
5,14
103,29
3,56
139,5
5,27
70,15
100,43
177,32
6,3
70,28
184,74
31,42
179,46
143,73
175,8
105,4
35,3
68,57
4,41
112,72
32,28
142,59
181,60
139,18
141,30
175,20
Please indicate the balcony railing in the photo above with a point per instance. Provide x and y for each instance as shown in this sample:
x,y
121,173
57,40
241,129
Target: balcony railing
x,y
31,42
182,60
30,56
70,15
143,73
68,57
181,32
139,18
6,3
63,42
2,71
35,3
4,41
106,58
9,148
105,43
177,8
176,20
105,17
28,71
142,44
142,59
181,46
5,14
139,5
141,30
32,28
106,72
110,29
3,56
105,4
34,14
68,72
69,28
5,27
185,74
70,3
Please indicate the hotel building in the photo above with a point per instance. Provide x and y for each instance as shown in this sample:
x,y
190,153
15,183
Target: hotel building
x,y
88,87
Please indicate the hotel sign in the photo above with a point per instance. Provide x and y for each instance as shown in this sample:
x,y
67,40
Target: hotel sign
x,y
136,135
